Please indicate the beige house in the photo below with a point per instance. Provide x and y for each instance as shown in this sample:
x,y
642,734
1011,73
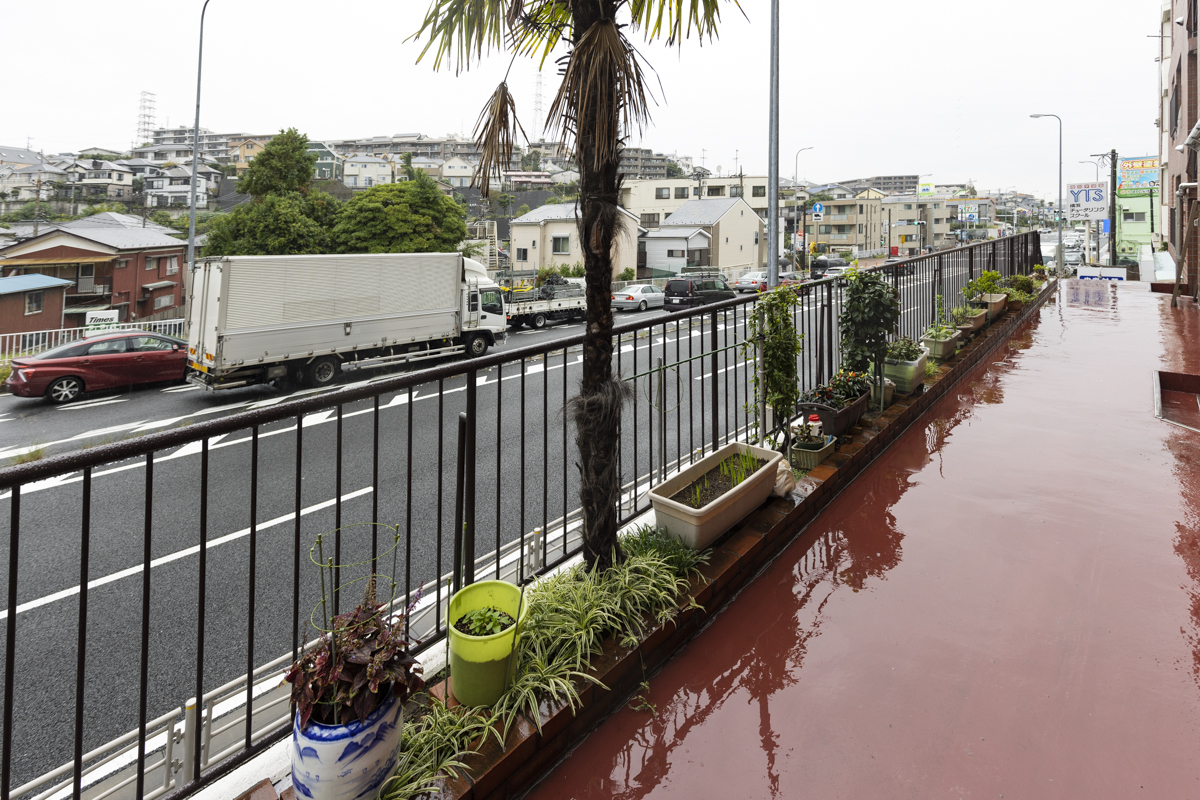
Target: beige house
x,y
910,219
723,233
244,152
851,223
549,236
457,172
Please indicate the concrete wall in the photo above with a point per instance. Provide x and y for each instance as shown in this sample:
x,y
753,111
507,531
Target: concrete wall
x,y
733,243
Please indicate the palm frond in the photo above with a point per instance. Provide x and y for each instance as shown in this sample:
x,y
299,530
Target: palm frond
x,y
535,33
604,88
675,20
494,133
459,31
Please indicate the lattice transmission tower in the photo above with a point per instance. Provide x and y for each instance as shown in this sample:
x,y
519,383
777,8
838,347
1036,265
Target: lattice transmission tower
x,y
145,124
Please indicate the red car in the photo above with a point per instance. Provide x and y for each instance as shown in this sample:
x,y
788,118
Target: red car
x,y
105,361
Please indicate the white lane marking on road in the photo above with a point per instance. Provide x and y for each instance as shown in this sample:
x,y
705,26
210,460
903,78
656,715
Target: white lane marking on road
x,y
92,404
737,366
178,554
192,448
189,387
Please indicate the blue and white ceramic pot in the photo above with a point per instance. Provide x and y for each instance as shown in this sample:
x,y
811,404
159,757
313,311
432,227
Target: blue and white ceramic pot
x,y
347,762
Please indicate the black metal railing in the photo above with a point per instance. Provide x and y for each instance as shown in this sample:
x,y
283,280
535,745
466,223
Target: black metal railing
x,y
156,660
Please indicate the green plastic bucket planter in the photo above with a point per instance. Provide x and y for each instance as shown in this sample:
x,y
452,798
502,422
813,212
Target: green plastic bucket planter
x,y
481,667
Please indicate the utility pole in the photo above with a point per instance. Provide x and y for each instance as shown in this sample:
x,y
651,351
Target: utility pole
x,y
1112,212
37,202
773,157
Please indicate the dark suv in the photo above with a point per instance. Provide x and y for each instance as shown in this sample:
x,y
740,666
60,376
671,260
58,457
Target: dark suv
x,y
822,263
688,292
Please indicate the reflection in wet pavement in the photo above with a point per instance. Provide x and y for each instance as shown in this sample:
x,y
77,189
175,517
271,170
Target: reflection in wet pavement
x,y
1007,602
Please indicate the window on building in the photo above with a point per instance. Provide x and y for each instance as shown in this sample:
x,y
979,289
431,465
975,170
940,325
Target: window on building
x,y
758,191
908,206
681,193
663,193
649,220
937,205
1133,216
695,191
122,263
756,237
166,301
33,302
676,254
716,191
735,191
172,264
560,245
151,262
522,254
860,228
860,208
824,228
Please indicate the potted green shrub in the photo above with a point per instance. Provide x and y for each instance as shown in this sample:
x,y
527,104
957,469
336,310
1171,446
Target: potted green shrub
x,y
1020,290
809,448
941,339
484,625
774,336
709,497
869,315
905,364
349,692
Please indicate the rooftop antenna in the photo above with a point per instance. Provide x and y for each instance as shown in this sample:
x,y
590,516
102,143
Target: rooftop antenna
x,y
145,124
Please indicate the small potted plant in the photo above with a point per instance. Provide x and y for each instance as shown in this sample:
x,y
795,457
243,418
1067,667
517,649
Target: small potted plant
x,y
809,448
711,496
841,402
349,692
941,340
1020,290
484,620
905,364
968,319
984,292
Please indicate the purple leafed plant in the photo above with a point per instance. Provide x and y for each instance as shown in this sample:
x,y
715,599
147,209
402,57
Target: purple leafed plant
x,y
350,670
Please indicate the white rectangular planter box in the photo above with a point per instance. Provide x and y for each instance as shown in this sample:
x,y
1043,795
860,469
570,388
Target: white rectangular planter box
x,y
941,348
906,374
995,303
700,527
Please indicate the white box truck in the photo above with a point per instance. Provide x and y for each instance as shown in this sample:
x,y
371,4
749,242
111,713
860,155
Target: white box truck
x,y
304,319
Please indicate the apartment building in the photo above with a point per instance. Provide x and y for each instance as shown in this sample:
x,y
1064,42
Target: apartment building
x,y
653,200
892,184
910,218
639,162
855,223
213,146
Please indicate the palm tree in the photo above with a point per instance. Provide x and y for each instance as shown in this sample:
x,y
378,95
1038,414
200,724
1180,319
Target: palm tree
x,y
602,99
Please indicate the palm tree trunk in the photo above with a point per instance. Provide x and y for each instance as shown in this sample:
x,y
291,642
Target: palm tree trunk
x,y
597,409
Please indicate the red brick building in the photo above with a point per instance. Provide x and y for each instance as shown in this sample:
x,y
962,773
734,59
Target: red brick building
x,y
138,272
31,303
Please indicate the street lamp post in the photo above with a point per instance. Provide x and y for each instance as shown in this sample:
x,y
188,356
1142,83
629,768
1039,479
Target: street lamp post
x,y
795,189
1058,254
191,248
773,157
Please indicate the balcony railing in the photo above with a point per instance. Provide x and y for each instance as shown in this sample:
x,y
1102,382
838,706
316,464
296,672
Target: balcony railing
x,y
190,597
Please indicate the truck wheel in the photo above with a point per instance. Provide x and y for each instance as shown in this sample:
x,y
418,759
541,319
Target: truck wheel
x,y
537,321
322,372
476,346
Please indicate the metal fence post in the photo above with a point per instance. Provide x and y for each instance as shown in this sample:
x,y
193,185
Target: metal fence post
x,y
661,386
189,740
761,366
460,469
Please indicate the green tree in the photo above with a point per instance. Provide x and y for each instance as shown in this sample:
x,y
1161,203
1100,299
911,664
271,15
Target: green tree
x,y
674,171
278,224
409,171
284,165
523,210
532,161
600,103
409,217
554,201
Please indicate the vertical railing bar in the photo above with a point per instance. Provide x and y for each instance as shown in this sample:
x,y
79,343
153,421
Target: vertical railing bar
x,y
10,644
636,466
296,539
545,428
565,460
691,384
437,572
337,519
469,476
408,526
81,641
499,460
252,569
144,674
202,594
375,484
521,560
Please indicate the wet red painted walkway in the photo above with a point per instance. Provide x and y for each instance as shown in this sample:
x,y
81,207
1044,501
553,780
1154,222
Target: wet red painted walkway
x,y
1005,604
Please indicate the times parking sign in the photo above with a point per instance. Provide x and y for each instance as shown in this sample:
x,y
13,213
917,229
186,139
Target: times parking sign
x,y
1088,201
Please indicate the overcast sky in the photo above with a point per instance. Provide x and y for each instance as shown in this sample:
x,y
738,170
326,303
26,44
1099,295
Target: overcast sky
x,y
876,87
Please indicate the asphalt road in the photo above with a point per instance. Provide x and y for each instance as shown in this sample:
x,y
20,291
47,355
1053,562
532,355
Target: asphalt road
x,y
526,477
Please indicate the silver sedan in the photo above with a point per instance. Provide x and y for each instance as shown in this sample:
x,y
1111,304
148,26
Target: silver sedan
x,y
640,296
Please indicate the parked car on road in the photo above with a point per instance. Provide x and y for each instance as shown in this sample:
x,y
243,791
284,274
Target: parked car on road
x,y
894,265
685,293
63,373
751,282
823,263
795,279
837,272
639,296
